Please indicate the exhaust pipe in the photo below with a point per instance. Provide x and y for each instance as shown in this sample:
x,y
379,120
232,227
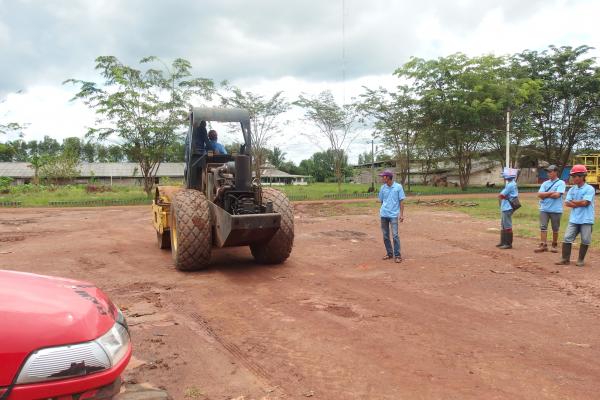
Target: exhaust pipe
x,y
243,173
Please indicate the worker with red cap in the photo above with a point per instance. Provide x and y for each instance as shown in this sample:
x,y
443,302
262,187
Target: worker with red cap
x,y
580,198
391,195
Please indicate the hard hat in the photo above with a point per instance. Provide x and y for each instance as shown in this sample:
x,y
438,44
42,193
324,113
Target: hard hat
x,y
387,172
578,169
509,173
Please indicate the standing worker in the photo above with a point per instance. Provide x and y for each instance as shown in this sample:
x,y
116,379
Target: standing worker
x,y
581,199
391,195
509,202
551,208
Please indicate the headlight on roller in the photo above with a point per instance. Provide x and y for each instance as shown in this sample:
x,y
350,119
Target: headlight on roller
x,y
70,361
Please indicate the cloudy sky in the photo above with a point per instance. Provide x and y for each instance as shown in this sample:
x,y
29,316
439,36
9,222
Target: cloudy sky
x,y
260,45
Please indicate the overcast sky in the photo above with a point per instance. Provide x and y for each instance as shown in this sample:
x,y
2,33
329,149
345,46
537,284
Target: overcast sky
x,y
260,45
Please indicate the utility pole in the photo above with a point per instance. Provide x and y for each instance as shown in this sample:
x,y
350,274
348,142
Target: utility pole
x,y
508,138
372,165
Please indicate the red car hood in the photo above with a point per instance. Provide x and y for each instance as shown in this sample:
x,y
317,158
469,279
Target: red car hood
x,y
41,311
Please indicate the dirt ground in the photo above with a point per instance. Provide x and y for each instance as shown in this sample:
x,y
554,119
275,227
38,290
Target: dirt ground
x,y
458,319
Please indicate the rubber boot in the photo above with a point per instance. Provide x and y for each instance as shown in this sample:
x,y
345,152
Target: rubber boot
x,y
554,248
566,254
502,238
509,241
582,251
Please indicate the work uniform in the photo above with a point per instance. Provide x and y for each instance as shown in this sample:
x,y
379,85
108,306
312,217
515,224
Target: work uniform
x,y
581,219
551,209
511,192
390,198
218,147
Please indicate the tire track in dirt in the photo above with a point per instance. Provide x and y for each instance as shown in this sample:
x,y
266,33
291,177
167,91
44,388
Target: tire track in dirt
x,y
178,306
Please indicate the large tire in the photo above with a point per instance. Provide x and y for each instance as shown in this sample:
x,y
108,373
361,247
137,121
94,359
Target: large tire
x,y
191,231
163,239
279,247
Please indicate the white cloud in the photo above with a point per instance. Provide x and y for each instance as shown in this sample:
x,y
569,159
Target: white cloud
x,y
262,46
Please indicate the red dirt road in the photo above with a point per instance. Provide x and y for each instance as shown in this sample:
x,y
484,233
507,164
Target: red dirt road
x,y
458,319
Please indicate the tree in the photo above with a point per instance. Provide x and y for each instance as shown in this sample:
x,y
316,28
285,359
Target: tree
x,y
567,111
336,123
61,168
458,104
265,113
365,158
73,148
394,115
276,157
143,108
10,127
321,166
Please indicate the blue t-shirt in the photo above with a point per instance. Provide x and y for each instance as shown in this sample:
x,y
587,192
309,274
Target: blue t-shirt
x,y
216,146
548,204
582,215
510,191
390,197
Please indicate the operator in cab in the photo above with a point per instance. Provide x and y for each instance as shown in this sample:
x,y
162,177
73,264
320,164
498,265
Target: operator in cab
x,y
217,147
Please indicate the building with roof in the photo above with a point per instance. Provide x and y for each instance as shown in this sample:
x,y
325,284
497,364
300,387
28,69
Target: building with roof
x,y
103,173
125,173
269,175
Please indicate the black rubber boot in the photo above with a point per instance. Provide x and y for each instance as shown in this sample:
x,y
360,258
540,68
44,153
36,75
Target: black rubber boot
x,y
508,242
566,254
502,238
582,251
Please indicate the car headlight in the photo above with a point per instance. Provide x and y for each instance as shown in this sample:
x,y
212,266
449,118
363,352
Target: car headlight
x,y
70,361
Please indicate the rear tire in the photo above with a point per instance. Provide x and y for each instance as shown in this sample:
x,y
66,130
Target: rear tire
x,y
191,230
279,247
163,239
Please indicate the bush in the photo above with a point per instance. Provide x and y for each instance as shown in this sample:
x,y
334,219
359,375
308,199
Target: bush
x,y
98,189
5,183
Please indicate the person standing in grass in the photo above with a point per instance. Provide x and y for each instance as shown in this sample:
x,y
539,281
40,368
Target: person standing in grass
x,y
507,197
580,198
551,208
391,196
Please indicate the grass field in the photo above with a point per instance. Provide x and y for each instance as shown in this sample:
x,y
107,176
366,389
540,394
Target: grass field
x,y
318,191
525,220
42,196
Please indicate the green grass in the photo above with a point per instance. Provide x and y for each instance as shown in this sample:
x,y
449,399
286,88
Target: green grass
x,y
319,191
525,220
41,196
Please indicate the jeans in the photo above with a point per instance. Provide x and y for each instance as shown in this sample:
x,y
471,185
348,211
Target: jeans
x,y
385,229
506,221
574,229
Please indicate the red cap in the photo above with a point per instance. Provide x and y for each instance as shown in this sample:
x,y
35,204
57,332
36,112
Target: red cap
x,y
578,169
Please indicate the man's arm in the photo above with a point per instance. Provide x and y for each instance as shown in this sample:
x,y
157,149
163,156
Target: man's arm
x,y
554,195
401,216
577,203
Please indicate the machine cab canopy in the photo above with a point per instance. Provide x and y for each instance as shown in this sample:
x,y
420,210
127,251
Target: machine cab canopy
x,y
216,114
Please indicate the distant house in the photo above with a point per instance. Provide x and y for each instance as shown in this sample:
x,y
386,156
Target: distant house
x,y
102,173
483,172
271,176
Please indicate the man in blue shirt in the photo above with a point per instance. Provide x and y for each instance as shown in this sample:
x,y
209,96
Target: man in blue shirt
x,y
580,199
391,195
508,194
216,146
551,208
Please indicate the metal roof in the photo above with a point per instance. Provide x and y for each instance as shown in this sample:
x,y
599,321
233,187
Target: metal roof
x,y
88,170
